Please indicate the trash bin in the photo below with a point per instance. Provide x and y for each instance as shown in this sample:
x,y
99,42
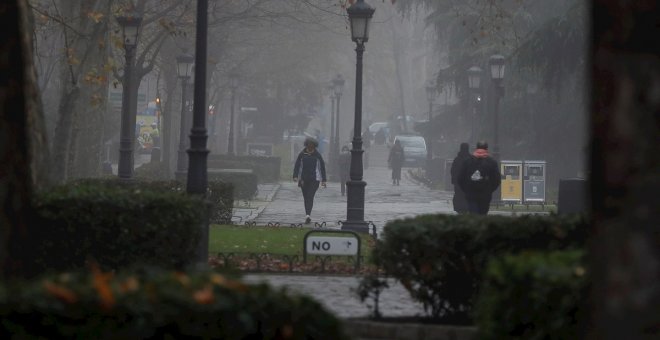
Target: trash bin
x,y
572,196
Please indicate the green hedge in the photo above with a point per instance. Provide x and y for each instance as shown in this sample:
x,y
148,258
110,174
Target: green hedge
x,y
266,168
115,225
533,296
158,304
440,259
245,184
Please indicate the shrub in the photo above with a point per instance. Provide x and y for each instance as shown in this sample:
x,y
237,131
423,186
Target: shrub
x,y
245,184
440,259
158,304
266,168
152,171
221,196
115,225
533,296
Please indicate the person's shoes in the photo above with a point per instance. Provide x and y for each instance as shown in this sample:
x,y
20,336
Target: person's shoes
x,y
308,220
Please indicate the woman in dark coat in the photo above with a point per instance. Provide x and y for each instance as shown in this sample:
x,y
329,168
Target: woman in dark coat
x,y
344,168
460,203
396,162
309,172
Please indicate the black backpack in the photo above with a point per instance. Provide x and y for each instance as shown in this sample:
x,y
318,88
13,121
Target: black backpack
x,y
476,175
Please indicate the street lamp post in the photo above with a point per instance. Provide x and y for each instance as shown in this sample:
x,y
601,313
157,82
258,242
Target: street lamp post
x,y
474,82
184,64
496,63
359,14
332,172
198,153
233,85
431,92
130,27
338,89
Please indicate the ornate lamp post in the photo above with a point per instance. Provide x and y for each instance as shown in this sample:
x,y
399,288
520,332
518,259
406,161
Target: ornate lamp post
x,y
338,89
198,153
431,92
496,63
184,65
130,28
359,14
474,83
233,85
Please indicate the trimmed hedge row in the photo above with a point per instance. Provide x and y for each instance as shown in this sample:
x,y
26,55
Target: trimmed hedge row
x,y
533,296
440,259
115,225
157,304
266,168
245,184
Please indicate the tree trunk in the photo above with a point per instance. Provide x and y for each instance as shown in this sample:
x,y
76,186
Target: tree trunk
x,y
18,114
625,246
398,53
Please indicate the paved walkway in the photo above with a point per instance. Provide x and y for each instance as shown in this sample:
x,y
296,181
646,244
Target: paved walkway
x,y
384,202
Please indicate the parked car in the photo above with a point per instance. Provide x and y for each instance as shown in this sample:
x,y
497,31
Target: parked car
x,y
414,149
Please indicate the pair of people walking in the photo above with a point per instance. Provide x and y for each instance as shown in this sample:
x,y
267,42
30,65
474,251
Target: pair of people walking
x,y
475,177
309,172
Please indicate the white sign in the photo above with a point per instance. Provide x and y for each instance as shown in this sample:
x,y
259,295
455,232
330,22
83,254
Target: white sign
x,y
332,245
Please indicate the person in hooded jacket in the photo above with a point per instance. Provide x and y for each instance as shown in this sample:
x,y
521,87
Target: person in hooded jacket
x,y
395,160
309,172
460,203
479,178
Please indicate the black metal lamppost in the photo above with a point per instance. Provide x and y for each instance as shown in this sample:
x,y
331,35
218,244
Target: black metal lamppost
x,y
431,92
130,27
496,63
333,169
184,65
338,89
474,83
233,85
359,14
198,153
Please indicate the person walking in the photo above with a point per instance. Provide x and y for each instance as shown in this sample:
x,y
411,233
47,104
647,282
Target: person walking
x,y
479,178
309,171
395,160
459,201
344,168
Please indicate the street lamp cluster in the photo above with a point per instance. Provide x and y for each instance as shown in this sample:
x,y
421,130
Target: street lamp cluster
x,y
359,14
497,67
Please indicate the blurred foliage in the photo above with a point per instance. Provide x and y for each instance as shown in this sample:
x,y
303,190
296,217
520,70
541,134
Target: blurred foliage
x,y
245,184
157,304
441,259
114,224
533,296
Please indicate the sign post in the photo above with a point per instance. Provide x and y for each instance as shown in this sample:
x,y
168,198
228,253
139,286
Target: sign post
x,y
511,186
347,243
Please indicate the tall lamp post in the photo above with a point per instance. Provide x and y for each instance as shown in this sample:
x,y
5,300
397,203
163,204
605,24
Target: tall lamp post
x,y
338,89
198,153
359,15
431,92
184,65
331,155
130,27
496,63
233,85
474,82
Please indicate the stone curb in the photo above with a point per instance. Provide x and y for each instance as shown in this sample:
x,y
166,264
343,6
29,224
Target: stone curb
x,y
365,329
270,196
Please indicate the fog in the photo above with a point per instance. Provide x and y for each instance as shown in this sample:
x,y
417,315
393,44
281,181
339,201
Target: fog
x,y
285,54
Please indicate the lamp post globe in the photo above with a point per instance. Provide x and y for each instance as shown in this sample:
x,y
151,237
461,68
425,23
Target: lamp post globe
x,y
130,29
359,15
233,85
474,77
184,66
497,67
